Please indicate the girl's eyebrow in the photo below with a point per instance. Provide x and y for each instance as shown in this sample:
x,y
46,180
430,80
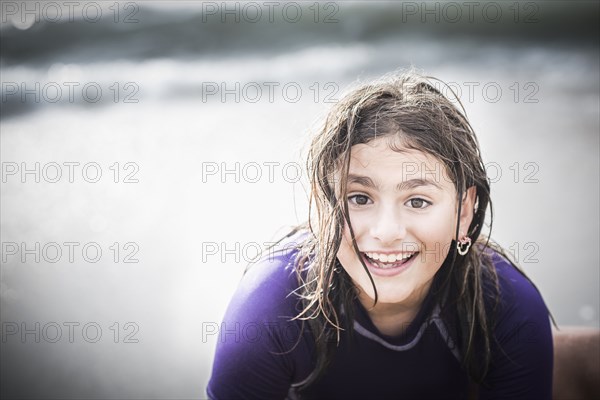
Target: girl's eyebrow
x,y
404,185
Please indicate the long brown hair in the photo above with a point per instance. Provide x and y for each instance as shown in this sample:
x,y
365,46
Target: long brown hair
x,y
409,107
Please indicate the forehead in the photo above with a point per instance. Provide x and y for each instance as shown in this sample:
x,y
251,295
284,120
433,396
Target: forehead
x,y
378,160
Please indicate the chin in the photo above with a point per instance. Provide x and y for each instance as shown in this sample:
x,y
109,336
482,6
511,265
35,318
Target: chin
x,y
385,295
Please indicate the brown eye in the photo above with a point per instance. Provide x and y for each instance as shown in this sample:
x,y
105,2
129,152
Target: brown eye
x,y
359,199
418,203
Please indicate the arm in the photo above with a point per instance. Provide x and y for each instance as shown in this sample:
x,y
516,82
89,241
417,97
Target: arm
x,y
244,367
259,351
522,358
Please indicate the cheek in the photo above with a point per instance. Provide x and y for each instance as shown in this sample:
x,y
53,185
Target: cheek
x,y
346,257
360,225
438,230
346,254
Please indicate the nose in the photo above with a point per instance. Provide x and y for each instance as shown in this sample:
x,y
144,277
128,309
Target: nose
x,y
387,226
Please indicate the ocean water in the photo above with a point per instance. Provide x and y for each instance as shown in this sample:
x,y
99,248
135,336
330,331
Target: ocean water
x,y
200,135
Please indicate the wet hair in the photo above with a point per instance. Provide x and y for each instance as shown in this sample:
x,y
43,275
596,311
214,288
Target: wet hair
x,y
409,109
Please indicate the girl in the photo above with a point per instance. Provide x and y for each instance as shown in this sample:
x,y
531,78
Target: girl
x,y
388,291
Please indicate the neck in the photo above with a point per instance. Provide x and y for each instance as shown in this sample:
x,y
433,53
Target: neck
x,y
394,318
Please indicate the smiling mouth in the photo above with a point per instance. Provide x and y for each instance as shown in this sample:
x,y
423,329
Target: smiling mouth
x,y
389,265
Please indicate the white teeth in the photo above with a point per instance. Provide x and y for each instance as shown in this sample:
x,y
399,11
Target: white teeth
x,y
389,258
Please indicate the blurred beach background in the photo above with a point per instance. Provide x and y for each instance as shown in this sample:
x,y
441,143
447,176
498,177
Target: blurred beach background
x,y
192,90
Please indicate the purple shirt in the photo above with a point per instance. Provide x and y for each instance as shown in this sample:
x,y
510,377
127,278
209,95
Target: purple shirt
x,y
260,353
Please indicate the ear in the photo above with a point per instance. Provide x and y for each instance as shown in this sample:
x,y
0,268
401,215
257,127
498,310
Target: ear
x,y
467,210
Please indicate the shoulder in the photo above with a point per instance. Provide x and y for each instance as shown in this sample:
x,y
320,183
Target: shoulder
x,y
266,290
519,300
260,348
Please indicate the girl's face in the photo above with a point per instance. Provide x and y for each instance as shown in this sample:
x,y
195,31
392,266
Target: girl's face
x,y
403,211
